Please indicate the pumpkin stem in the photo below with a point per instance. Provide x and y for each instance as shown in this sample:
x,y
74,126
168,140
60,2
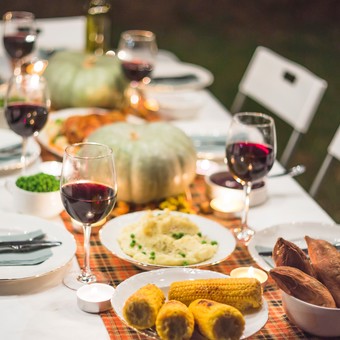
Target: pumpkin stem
x,y
89,61
134,135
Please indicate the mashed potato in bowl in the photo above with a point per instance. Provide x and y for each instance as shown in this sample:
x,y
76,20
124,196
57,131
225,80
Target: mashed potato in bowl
x,y
164,238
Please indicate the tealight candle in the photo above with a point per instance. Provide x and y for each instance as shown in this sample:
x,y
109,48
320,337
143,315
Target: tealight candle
x,y
250,272
95,297
227,208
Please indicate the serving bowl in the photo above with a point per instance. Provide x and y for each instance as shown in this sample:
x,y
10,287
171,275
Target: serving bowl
x,y
180,105
221,184
41,204
316,320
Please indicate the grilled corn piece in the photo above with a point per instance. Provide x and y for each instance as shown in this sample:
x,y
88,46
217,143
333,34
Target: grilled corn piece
x,y
175,321
217,321
241,293
141,308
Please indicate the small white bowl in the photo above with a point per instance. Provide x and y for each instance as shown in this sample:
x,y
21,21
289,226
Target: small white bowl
x,y
320,321
220,184
178,105
41,204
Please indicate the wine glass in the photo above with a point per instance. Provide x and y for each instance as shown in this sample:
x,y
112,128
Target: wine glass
x,y
250,154
137,51
88,189
19,36
27,104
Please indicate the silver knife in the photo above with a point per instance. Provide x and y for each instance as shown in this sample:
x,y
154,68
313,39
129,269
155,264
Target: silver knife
x,y
26,246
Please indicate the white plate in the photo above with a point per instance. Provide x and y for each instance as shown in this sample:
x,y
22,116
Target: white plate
x,y
294,232
163,278
8,138
44,138
209,137
18,279
226,241
172,69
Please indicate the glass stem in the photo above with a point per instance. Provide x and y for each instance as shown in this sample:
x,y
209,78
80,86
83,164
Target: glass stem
x,y
23,154
247,190
86,271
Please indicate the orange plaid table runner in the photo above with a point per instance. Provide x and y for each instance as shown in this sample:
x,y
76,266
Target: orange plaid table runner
x,y
277,326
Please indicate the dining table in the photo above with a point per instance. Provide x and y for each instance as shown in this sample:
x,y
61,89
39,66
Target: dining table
x,y
51,311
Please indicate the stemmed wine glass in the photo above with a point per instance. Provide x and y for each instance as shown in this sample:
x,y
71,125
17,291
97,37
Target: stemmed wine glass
x,y
27,104
137,51
250,154
88,189
19,36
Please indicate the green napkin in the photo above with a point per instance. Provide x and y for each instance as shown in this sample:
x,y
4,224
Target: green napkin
x,y
24,259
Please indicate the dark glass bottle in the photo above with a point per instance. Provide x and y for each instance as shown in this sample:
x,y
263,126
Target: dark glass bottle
x,y
98,27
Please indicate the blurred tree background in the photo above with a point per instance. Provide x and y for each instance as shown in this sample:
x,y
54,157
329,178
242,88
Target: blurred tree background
x,y
222,35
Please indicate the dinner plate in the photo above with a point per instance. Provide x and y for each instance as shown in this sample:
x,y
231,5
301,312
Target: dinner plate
x,y
44,136
9,138
294,232
226,242
163,278
209,137
19,279
202,77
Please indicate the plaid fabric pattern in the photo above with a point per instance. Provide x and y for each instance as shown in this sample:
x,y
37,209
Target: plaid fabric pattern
x,y
277,326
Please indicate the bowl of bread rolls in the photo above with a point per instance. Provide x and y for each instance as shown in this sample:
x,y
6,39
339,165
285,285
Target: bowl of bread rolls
x,y
310,284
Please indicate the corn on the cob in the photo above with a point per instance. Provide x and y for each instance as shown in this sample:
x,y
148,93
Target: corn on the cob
x,y
141,308
241,293
217,321
175,321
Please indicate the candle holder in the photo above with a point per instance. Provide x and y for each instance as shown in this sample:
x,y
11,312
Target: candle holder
x,y
250,272
95,297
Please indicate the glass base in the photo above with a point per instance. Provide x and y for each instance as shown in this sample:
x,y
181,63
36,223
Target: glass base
x,y
243,234
75,280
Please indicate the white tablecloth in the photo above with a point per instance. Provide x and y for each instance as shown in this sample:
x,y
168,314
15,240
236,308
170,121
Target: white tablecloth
x,y
53,313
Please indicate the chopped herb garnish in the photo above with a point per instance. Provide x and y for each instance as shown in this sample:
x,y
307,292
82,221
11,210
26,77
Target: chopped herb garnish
x,y
199,234
214,243
139,246
185,263
152,255
143,252
182,254
132,235
132,243
177,236
204,242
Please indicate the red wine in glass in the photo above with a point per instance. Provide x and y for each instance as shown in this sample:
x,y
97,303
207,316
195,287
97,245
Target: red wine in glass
x,y
19,45
136,70
26,119
249,162
88,202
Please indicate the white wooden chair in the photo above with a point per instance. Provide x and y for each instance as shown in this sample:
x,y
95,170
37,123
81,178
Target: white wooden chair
x,y
333,152
284,87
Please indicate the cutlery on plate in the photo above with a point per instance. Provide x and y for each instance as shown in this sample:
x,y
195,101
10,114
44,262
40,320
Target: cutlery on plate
x,y
180,78
270,252
26,246
294,171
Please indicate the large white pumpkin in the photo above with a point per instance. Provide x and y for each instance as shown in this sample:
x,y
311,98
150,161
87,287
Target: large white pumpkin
x,y
153,160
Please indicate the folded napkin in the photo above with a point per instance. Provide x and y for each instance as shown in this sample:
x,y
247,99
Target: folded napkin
x,y
268,259
26,258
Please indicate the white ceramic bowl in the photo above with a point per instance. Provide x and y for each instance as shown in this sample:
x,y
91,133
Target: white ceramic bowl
x,y
320,321
178,105
220,184
41,204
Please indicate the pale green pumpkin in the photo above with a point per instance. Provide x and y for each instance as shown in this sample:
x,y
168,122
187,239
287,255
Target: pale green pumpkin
x,y
77,79
153,160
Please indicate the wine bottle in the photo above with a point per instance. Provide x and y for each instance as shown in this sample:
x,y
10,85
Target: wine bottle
x,y
98,27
